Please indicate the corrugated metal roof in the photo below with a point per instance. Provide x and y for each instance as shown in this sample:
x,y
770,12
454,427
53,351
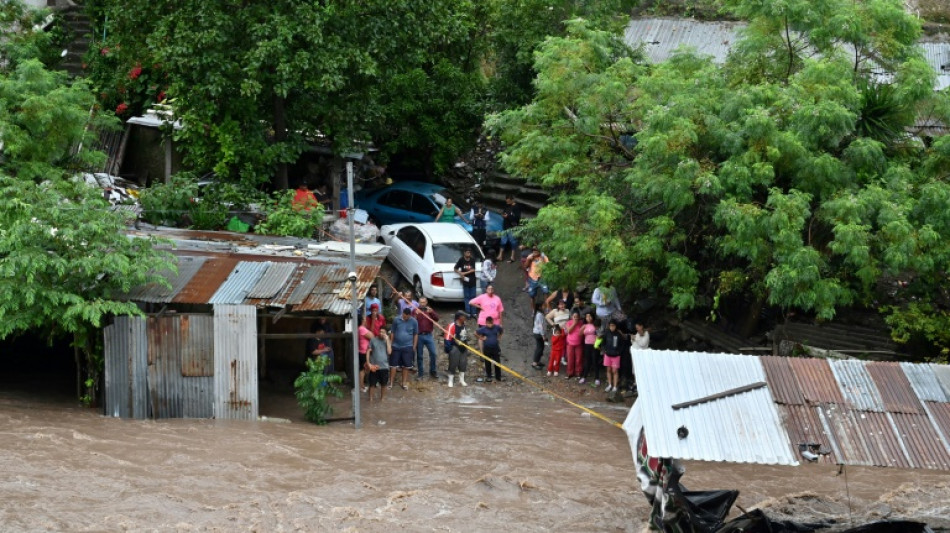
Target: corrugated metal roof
x,y
742,428
206,281
896,392
804,427
234,289
661,37
815,380
857,386
230,268
781,381
332,290
920,439
156,293
942,372
861,413
272,280
924,381
284,295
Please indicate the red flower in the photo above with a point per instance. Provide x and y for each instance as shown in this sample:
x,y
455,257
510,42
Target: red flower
x,y
121,108
160,97
135,72
104,51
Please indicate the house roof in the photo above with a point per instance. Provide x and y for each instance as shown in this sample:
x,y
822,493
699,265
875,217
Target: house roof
x,y
275,272
661,37
854,412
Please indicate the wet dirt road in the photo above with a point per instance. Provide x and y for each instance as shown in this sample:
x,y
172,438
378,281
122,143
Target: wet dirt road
x,y
490,457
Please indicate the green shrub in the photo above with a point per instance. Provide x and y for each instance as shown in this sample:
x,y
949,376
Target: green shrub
x,y
168,203
284,219
313,388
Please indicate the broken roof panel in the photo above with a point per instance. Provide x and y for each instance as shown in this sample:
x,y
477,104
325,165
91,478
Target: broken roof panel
x,y
804,427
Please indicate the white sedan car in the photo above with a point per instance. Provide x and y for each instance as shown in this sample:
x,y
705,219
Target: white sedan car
x,y
426,253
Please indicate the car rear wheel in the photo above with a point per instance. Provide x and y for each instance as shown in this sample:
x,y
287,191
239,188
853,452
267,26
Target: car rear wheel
x,y
417,288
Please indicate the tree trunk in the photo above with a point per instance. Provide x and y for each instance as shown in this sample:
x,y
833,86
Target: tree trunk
x,y
280,135
750,321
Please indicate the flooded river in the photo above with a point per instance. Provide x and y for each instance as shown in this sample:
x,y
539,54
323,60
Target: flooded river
x,y
489,457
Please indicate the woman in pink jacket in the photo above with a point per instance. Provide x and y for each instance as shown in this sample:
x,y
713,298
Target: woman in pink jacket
x,y
575,345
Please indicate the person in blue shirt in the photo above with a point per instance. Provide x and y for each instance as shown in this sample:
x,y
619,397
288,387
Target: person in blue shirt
x,y
489,341
405,339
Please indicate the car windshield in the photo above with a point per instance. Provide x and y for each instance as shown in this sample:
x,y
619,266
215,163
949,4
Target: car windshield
x,y
450,252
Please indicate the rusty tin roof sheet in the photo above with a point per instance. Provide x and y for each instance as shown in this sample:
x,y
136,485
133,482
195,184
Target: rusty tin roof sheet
x,y
857,386
804,427
896,392
781,381
206,281
921,441
332,291
817,383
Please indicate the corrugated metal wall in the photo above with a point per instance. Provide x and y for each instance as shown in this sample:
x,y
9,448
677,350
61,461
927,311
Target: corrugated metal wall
x,y
235,362
126,368
163,367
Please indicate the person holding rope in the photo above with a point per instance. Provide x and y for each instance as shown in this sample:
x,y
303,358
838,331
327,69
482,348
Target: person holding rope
x,y
427,319
489,342
455,335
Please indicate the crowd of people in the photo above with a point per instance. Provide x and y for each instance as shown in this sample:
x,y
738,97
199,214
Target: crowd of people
x,y
586,342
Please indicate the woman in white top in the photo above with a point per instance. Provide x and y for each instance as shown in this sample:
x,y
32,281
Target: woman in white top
x,y
489,270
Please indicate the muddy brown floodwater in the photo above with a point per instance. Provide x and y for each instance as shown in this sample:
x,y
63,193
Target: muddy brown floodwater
x,y
489,457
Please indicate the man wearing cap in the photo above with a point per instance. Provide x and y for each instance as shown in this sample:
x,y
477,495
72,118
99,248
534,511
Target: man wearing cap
x,y
405,338
427,319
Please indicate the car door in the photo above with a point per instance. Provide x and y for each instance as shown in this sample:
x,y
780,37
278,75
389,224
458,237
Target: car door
x,y
402,248
393,207
423,208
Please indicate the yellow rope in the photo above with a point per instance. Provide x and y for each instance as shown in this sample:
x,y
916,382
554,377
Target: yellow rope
x,y
517,374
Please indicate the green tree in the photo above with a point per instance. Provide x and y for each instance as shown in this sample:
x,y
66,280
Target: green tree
x,y
518,27
255,82
65,262
773,176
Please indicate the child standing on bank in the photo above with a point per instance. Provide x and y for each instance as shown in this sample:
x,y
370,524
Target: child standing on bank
x,y
558,349
613,346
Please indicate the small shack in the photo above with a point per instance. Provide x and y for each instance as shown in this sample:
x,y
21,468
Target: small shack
x,y
204,343
778,411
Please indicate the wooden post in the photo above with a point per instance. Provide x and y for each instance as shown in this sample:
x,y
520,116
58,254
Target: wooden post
x,y
262,347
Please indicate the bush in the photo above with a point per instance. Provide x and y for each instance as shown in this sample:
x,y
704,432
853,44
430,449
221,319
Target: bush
x,y
313,387
287,220
167,203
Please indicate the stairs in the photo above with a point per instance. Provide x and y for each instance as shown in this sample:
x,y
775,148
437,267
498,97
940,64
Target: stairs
x,y
850,339
79,29
498,185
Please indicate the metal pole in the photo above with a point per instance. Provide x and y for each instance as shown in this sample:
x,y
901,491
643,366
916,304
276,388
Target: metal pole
x,y
350,213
